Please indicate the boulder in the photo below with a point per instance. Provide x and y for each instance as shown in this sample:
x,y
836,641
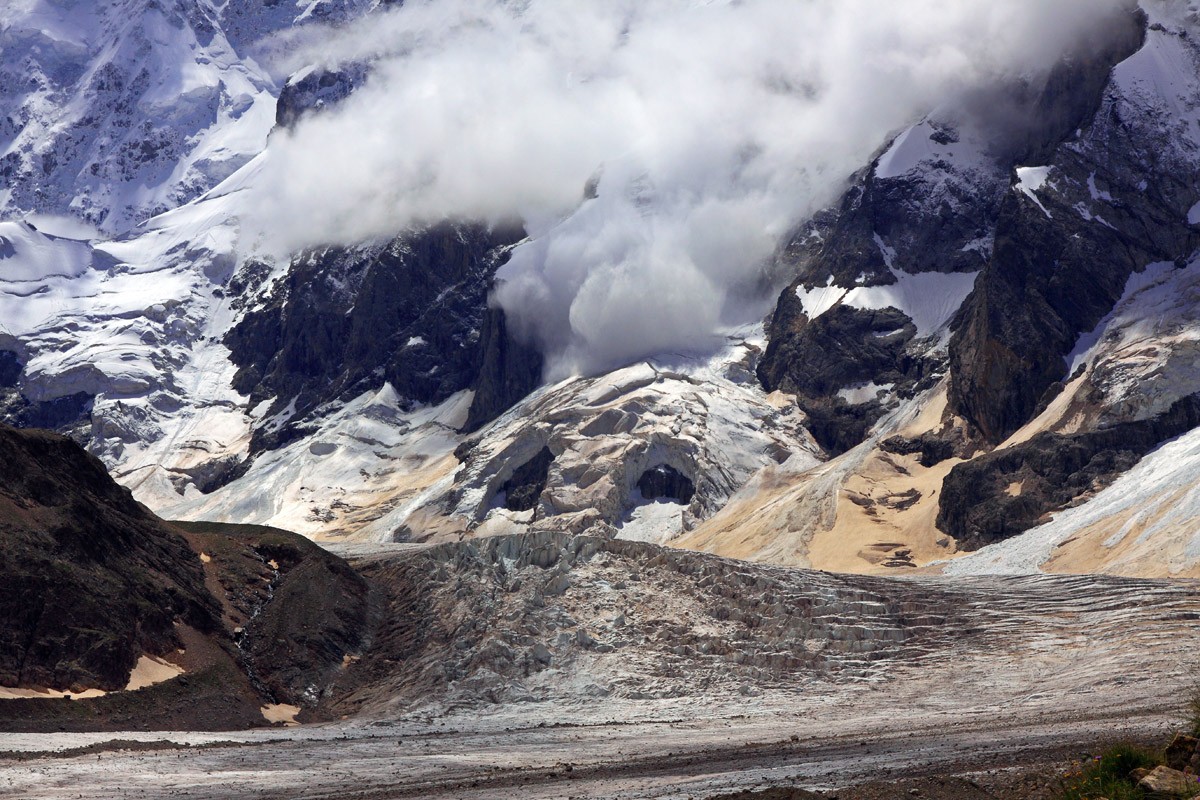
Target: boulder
x,y
1181,752
1164,781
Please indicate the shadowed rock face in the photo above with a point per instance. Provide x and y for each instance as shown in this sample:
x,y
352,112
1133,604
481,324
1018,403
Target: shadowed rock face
x,y
1056,271
523,489
666,482
1006,492
70,414
91,579
930,448
507,372
345,321
10,369
502,370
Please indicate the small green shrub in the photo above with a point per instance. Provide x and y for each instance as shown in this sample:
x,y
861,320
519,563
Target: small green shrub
x,y
1108,775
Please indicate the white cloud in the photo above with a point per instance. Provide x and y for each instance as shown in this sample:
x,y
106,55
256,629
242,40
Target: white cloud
x,y
718,125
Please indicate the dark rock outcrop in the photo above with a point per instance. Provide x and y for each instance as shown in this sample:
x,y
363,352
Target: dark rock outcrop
x,y
316,90
843,346
345,321
508,370
1004,493
1183,753
10,369
666,482
814,359
91,580
933,447
1051,279
70,414
522,490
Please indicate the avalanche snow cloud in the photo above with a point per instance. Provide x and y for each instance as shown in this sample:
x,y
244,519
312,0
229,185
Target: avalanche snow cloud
x,y
705,129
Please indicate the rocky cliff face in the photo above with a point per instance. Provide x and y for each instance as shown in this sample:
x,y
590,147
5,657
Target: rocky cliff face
x,y
938,200
1067,241
342,322
507,371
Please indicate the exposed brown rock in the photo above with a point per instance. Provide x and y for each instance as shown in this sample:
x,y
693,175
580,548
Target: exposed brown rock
x,y
1167,782
978,506
295,611
91,580
1181,753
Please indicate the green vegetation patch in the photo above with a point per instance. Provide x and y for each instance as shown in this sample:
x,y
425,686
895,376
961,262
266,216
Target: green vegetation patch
x,y
1108,776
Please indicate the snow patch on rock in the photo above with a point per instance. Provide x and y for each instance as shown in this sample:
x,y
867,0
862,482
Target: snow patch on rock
x,y
923,145
929,299
1031,180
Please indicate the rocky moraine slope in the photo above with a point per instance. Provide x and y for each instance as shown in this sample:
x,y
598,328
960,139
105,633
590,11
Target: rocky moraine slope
x,y
147,624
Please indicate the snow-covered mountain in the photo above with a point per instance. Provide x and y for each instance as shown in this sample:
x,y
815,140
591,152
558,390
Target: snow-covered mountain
x,y
986,343
114,112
